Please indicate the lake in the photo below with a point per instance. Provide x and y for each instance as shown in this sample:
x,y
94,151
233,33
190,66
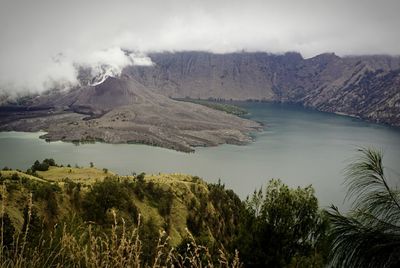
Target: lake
x,y
298,145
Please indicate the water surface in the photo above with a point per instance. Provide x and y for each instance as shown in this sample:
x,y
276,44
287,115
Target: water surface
x,y
299,146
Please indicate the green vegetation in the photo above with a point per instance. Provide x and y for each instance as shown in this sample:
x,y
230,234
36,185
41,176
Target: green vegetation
x,y
369,235
106,195
288,229
186,209
219,105
37,166
176,220
69,221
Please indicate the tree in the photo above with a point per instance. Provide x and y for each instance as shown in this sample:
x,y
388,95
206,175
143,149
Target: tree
x,y
281,227
50,162
37,166
369,235
103,196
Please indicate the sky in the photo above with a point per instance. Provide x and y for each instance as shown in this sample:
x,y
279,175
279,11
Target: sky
x,y
42,42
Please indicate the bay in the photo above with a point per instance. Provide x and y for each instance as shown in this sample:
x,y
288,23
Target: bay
x,y
298,146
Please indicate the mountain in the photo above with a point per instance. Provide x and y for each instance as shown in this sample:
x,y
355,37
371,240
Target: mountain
x,y
137,107
363,86
122,110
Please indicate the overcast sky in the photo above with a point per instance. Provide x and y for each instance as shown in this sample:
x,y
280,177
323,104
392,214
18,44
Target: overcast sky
x,y
42,40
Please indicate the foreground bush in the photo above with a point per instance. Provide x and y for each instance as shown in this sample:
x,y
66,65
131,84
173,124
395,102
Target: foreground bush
x,y
283,227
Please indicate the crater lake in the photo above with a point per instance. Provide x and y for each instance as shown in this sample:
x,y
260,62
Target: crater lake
x,y
298,146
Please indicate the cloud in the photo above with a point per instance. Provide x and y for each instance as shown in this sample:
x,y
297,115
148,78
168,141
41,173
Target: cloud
x,y
43,41
61,71
109,62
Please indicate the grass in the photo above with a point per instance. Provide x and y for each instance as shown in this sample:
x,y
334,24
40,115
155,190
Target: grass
x,y
7,174
84,175
82,247
180,184
220,106
93,244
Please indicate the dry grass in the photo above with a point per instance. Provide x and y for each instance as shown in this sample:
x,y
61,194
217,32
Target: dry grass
x,y
84,175
7,174
83,246
179,184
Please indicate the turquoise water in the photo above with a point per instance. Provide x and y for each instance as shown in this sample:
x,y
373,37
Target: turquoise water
x,y
299,146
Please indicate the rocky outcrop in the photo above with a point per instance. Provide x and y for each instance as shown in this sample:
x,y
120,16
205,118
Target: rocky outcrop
x,y
362,86
123,110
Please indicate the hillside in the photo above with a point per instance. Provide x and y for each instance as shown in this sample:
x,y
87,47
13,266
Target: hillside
x,y
124,111
173,202
362,86
95,218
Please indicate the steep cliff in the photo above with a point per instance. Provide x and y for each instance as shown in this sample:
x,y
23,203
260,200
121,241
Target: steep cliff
x,y
363,86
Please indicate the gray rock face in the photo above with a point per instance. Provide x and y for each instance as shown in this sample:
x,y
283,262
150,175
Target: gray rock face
x,y
362,86
123,110
136,106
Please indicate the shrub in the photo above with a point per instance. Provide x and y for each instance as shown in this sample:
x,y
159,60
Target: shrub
x,y
165,203
37,166
286,226
47,192
50,162
73,190
103,196
140,177
7,230
15,177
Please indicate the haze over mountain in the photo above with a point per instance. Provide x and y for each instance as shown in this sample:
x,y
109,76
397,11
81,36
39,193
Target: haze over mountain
x,y
44,41
169,73
107,73
137,105
362,86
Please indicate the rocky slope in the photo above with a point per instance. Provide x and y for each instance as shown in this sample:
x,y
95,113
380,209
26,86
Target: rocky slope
x,y
123,110
362,86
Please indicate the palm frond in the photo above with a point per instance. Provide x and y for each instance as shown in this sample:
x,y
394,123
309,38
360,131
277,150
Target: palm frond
x,y
368,186
356,244
369,236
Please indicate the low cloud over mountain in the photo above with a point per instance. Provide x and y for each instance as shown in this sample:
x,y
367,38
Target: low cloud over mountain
x,y
43,42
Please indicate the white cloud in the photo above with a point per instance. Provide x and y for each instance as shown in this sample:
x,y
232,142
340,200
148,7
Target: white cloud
x,y
42,41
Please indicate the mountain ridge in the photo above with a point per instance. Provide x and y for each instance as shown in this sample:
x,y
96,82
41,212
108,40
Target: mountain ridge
x,y
139,106
363,86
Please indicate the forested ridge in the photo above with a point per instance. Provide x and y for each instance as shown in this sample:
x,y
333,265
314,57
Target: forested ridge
x,y
54,215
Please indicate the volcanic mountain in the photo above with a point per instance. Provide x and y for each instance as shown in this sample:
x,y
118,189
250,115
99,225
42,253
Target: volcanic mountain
x,y
121,110
363,86
137,106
